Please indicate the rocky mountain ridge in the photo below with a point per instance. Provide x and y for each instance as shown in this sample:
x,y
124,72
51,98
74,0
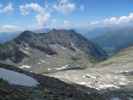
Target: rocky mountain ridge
x,y
55,48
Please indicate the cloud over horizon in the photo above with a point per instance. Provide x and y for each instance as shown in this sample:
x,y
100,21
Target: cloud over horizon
x,y
9,28
6,8
113,21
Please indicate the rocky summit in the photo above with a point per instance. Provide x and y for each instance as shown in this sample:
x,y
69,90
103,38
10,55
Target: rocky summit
x,y
51,51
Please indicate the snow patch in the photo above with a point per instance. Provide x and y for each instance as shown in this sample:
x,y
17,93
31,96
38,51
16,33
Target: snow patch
x,y
49,69
124,71
103,82
27,48
25,51
17,78
63,67
122,83
48,56
42,61
115,98
25,66
89,76
64,48
39,63
82,83
105,86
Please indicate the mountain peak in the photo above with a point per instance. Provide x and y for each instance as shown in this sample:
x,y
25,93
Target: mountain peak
x,y
31,48
62,30
27,33
25,36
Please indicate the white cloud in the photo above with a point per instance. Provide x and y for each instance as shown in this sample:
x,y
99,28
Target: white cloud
x,y
9,28
67,24
6,9
65,6
113,21
53,23
42,19
42,16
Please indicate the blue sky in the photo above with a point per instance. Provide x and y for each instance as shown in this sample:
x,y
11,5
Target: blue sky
x,y
36,14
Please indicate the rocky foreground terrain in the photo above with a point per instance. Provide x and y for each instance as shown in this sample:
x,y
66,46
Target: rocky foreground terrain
x,y
16,84
113,76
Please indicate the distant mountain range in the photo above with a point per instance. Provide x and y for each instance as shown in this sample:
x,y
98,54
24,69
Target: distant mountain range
x,y
113,40
7,36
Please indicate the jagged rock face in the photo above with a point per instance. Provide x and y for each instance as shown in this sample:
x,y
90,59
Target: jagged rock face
x,y
61,45
66,38
71,38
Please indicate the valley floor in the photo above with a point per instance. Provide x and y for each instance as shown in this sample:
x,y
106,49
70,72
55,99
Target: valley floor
x,y
109,82
99,78
114,74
